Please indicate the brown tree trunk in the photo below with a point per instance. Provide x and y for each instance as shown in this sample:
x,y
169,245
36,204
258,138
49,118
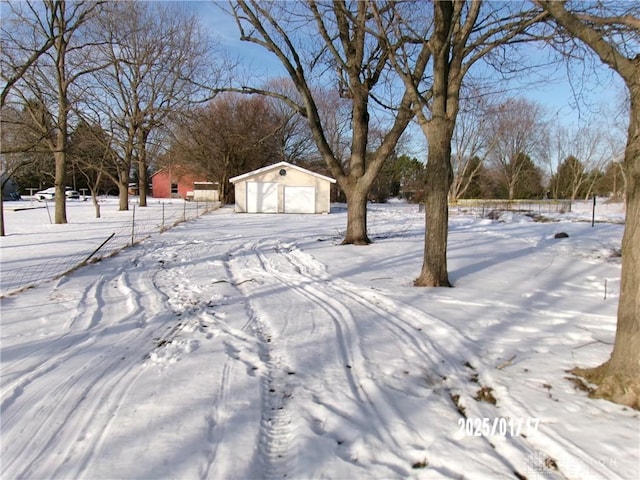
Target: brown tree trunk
x,y
142,184
60,145
224,189
619,378
439,133
356,233
438,179
60,186
2,234
143,180
123,190
626,352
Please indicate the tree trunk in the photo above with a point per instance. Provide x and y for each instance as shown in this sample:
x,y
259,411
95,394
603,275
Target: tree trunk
x,y
60,145
142,184
60,186
356,215
626,353
447,80
96,204
142,168
2,234
439,176
512,189
224,189
619,378
123,190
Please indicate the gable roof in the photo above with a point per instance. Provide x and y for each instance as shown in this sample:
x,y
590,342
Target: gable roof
x,y
280,165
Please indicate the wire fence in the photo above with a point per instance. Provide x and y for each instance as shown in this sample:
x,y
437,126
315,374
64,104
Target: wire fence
x,y
486,208
103,242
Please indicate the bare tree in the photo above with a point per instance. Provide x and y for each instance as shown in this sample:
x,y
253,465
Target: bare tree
x,y
580,153
16,148
13,45
156,54
517,127
51,75
319,41
91,154
471,144
612,32
452,37
294,137
615,139
230,136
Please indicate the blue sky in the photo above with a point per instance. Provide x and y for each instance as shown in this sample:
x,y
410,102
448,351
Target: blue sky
x,y
594,94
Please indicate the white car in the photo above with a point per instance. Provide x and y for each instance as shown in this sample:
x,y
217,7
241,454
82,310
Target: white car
x,y
47,194
50,193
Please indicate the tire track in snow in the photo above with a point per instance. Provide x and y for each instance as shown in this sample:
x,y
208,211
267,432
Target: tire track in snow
x,y
215,426
241,345
89,303
276,443
403,320
275,265
71,415
336,301
302,275
366,394
236,342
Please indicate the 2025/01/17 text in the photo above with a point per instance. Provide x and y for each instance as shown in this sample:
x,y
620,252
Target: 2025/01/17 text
x,y
499,426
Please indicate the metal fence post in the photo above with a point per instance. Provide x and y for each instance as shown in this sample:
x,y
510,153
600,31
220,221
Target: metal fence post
x,y
46,204
133,224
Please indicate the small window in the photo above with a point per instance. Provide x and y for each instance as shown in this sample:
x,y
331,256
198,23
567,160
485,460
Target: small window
x,y
283,172
174,188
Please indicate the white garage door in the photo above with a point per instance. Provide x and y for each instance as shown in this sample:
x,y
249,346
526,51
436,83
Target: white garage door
x,y
299,199
262,197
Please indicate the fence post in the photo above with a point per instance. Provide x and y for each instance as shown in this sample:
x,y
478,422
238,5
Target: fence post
x,y
133,224
162,216
46,204
184,211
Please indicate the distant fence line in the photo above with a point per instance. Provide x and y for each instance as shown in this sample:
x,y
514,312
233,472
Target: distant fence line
x,y
126,233
483,207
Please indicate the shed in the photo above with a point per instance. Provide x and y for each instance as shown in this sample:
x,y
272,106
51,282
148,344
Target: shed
x,y
282,188
168,183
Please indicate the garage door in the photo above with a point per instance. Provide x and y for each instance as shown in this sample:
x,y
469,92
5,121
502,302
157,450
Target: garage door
x,y
299,199
262,197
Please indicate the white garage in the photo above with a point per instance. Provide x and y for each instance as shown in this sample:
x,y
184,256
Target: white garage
x,y
282,188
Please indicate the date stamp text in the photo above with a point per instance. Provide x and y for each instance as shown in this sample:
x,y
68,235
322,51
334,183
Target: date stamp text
x,y
499,426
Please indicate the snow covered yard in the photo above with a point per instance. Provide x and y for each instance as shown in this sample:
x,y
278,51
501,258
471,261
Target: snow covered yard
x,y
255,346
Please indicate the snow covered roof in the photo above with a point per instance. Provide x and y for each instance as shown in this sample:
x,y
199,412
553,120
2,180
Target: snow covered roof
x,y
280,165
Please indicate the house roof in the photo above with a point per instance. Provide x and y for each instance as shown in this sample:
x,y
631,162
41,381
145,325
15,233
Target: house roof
x,y
158,171
279,165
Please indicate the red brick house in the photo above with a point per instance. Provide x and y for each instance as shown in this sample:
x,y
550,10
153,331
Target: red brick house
x,y
167,184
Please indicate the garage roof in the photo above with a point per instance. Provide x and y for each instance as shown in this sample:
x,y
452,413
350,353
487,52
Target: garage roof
x,y
279,165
